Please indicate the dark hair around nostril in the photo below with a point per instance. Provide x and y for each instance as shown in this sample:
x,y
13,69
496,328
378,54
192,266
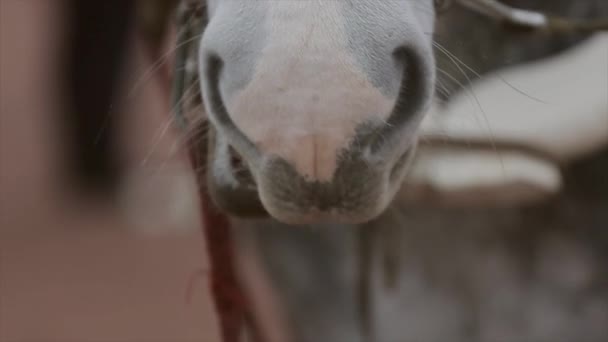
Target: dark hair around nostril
x,y
353,186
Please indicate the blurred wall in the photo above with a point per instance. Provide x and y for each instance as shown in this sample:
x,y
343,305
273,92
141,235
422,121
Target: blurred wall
x,y
81,269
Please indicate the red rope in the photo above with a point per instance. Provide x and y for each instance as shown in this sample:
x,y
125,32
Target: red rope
x,y
228,295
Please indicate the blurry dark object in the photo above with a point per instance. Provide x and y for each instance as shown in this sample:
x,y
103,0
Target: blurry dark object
x,y
153,17
533,20
96,51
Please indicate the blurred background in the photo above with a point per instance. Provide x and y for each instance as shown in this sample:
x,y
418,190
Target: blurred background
x,y
99,230
100,237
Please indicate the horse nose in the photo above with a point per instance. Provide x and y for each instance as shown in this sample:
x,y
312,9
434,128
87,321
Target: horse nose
x,y
294,104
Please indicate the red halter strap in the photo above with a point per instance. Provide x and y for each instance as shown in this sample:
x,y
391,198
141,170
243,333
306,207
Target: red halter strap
x,y
230,301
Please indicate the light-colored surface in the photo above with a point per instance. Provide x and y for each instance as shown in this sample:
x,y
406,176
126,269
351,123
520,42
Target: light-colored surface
x,y
473,177
564,111
452,169
557,107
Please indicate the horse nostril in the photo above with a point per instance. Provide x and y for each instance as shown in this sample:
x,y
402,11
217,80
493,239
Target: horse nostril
x,y
415,86
216,109
415,91
213,69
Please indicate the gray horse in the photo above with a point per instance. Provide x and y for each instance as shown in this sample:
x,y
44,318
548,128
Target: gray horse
x,y
315,108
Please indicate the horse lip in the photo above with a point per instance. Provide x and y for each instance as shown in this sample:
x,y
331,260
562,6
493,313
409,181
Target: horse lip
x,y
316,216
246,200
